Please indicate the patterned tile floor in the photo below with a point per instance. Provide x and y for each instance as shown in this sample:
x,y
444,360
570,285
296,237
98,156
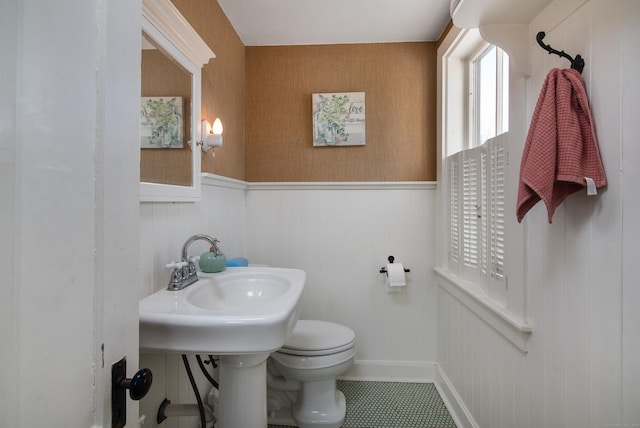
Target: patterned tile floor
x,y
393,405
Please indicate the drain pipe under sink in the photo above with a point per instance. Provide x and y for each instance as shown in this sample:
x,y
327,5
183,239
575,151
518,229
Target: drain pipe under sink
x,y
168,410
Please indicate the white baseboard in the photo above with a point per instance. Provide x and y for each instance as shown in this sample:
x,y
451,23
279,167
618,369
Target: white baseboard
x,y
391,371
457,409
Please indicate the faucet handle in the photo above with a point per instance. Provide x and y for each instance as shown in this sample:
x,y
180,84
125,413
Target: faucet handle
x,y
176,265
215,248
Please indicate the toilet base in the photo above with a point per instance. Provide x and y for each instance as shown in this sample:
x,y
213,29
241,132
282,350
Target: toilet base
x,y
327,408
333,405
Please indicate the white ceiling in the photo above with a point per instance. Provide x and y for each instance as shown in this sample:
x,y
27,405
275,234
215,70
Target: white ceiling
x,y
305,22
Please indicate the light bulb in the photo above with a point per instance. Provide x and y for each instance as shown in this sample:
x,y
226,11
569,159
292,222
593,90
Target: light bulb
x,y
217,127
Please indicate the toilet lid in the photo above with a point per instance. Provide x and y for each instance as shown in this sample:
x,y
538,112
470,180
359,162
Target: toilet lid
x,y
312,335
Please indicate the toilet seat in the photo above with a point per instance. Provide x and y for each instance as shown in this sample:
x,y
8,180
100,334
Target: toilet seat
x,y
317,338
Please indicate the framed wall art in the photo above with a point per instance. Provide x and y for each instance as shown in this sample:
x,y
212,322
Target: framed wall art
x,y
161,125
338,119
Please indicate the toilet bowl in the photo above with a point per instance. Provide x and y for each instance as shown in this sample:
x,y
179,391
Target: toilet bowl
x,y
301,376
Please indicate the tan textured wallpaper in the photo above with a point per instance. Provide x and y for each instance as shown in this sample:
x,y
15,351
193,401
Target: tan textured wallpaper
x,y
223,84
399,80
263,97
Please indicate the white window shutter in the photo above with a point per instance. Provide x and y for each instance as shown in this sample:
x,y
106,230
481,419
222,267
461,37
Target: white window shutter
x,y
454,207
477,214
498,157
484,211
471,208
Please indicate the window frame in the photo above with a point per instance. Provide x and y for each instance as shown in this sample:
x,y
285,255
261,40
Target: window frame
x,y
476,244
506,313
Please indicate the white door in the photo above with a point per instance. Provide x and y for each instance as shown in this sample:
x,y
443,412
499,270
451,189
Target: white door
x,y
68,208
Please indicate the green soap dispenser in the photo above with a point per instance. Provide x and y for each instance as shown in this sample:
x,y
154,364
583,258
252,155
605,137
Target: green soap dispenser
x,y
212,261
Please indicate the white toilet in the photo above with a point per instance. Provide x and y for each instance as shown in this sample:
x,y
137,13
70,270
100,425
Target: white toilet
x,y
301,376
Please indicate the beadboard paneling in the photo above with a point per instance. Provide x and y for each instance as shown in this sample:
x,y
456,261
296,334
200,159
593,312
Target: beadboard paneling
x,y
580,272
342,237
164,227
630,15
341,234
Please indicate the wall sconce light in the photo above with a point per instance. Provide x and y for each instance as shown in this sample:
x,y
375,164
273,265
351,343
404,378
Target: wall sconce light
x,y
211,137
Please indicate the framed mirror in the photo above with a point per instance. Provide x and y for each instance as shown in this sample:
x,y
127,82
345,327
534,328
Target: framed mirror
x,y
172,58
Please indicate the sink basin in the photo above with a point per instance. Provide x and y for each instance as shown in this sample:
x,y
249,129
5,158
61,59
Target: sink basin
x,y
243,310
240,292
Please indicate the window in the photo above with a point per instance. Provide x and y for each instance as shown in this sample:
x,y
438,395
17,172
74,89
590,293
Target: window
x,y
476,173
489,96
482,246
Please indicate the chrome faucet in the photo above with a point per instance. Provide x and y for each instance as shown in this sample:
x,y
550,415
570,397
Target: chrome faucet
x,y
184,272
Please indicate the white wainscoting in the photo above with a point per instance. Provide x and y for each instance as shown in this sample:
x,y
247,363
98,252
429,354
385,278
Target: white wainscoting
x,y
581,272
341,234
482,374
164,227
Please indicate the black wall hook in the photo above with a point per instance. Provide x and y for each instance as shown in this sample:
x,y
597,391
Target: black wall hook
x,y
577,63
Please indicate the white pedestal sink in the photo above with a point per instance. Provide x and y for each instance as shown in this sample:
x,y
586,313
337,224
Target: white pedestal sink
x,y
242,315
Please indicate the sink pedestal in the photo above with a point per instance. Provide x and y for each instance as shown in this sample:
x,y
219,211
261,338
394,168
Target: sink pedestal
x,y
243,391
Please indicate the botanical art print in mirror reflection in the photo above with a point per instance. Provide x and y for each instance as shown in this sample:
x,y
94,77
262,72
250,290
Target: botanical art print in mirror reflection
x,y
161,123
338,119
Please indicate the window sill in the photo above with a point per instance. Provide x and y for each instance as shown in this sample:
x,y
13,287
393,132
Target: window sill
x,y
509,325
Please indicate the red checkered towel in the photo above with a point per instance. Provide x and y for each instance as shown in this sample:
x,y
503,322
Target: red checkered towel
x,y
561,153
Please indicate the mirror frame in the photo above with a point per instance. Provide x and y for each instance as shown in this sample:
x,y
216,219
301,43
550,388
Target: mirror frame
x,y
163,23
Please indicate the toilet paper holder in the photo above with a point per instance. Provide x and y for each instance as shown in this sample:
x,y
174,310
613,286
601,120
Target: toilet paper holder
x,y
391,259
